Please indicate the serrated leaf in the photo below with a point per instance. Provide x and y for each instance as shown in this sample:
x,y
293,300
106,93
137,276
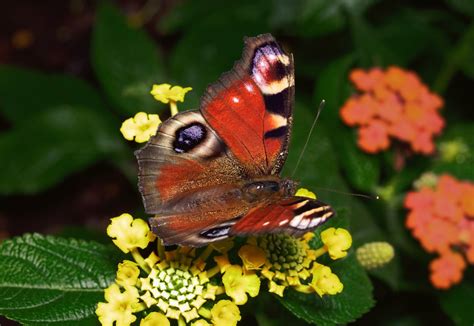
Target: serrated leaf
x,y
126,62
25,93
355,300
53,281
42,151
457,303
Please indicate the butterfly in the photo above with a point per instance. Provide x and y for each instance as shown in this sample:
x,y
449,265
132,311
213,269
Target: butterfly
x,y
212,173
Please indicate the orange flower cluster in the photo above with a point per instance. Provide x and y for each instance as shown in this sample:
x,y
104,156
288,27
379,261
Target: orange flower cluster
x,y
442,219
393,104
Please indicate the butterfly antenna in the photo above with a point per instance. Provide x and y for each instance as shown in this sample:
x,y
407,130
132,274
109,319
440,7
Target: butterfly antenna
x,y
321,106
376,197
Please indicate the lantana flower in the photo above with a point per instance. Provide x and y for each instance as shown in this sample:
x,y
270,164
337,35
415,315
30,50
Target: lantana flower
x,y
238,284
141,127
171,284
393,105
225,313
129,233
337,241
324,281
447,270
291,262
441,217
166,93
119,306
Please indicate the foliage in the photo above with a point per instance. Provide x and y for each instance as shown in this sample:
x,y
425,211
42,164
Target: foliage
x,y
58,125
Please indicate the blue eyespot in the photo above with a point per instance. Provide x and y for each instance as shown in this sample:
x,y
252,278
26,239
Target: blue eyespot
x,y
188,137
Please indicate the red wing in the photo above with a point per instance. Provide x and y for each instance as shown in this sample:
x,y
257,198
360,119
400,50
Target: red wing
x,y
250,107
294,216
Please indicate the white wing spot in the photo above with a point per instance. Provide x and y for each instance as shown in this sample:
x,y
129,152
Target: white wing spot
x,y
235,99
266,223
283,222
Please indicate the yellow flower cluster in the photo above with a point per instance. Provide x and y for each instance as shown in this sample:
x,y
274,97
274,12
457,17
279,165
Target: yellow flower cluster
x,y
203,287
286,261
170,285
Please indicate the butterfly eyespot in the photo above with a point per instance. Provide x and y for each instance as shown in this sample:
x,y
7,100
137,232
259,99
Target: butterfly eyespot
x,y
216,232
188,137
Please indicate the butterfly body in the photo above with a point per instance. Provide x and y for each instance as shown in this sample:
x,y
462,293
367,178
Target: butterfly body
x,y
215,172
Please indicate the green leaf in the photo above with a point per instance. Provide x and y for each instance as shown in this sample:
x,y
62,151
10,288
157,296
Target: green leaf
x,y
355,300
320,169
314,18
457,303
460,166
26,93
465,7
410,34
42,151
126,62
213,51
53,281
362,170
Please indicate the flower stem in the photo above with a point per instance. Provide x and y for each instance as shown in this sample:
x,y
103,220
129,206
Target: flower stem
x,y
321,251
173,108
206,313
220,290
140,261
304,288
213,271
205,254
139,307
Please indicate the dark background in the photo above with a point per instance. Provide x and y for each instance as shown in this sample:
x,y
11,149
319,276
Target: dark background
x,y
195,42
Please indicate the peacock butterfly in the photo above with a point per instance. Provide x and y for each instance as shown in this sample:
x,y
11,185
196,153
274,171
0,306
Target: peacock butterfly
x,y
212,173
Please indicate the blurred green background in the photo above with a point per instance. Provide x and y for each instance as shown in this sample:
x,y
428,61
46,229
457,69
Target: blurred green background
x,y
72,71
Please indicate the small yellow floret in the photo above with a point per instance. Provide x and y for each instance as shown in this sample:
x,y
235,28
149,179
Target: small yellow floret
x,y
225,313
337,241
127,273
119,306
253,257
303,192
324,281
165,93
129,233
155,318
237,284
141,127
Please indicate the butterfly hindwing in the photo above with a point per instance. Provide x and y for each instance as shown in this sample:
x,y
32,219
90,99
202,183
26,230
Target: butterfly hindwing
x,y
294,216
250,107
